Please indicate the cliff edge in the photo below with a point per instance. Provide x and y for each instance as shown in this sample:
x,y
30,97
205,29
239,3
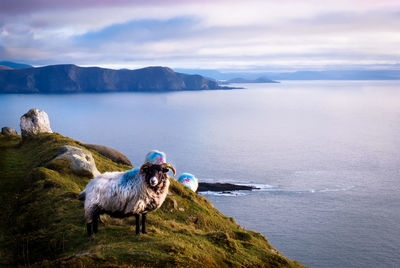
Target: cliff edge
x,y
42,221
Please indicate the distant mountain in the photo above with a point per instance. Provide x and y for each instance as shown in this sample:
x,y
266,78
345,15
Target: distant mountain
x,y
212,74
338,75
302,75
3,67
74,79
245,81
14,65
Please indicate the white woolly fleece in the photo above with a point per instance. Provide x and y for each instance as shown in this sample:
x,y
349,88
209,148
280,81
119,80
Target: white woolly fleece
x,y
124,192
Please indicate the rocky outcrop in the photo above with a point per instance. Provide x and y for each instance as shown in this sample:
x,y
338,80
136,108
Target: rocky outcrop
x,y
82,162
110,153
34,122
223,187
8,131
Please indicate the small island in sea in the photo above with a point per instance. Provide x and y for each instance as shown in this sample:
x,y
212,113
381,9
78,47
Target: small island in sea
x,y
240,80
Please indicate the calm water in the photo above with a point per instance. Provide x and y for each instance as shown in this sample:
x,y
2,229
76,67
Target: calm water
x,y
327,155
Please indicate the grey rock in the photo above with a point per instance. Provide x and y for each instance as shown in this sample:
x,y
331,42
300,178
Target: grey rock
x,y
223,187
110,153
8,131
82,162
34,122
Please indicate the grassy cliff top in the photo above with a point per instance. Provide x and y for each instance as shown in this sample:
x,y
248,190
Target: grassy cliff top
x,y
42,221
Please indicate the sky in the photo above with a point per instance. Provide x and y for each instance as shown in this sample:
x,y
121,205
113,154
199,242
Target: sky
x,y
227,35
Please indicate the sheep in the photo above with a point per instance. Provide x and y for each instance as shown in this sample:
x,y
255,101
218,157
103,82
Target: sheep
x,y
123,194
156,157
189,180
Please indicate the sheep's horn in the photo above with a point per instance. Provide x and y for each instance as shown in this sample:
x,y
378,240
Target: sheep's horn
x,y
171,167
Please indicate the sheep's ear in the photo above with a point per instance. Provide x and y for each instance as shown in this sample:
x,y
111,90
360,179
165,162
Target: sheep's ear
x,y
165,170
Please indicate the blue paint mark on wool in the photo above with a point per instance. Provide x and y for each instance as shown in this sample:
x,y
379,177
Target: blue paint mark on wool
x,y
188,176
156,157
129,176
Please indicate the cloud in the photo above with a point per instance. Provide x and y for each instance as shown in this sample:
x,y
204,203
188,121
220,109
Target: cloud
x,y
28,6
139,31
207,34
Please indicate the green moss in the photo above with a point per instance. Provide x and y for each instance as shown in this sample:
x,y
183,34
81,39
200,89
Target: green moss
x,y
42,220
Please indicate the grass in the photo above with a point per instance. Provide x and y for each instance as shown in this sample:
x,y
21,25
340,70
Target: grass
x,y
42,221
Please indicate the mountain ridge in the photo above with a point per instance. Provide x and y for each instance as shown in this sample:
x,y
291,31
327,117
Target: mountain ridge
x,y
15,65
70,78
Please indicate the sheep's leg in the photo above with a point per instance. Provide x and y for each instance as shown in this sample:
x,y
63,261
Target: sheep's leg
x,y
95,224
89,229
92,215
137,224
144,223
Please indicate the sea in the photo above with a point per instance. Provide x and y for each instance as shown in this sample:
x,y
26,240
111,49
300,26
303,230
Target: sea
x,y
325,156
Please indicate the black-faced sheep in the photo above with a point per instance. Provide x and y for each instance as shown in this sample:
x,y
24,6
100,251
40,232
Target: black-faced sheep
x,y
123,194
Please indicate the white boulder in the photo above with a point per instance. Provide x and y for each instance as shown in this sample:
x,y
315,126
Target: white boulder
x,y
34,122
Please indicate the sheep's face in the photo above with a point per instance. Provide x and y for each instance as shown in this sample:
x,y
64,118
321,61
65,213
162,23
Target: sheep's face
x,y
155,175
